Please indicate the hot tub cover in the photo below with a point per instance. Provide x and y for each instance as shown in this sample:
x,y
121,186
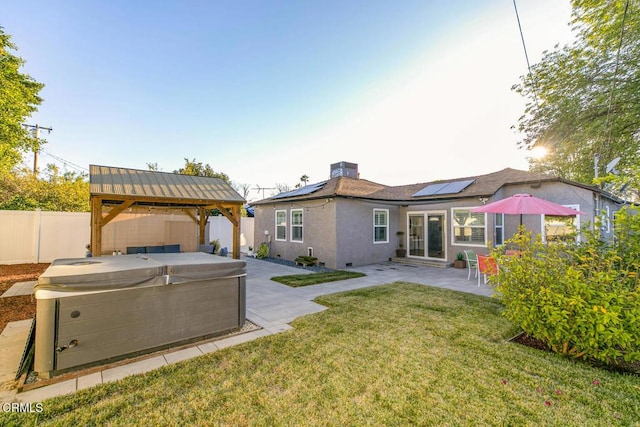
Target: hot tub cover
x,y
127,271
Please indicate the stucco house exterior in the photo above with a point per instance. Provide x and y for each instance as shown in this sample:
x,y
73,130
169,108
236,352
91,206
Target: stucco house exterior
x,y
349,221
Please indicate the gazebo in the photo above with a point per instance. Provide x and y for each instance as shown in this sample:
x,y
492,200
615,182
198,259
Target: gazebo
x,y
120,189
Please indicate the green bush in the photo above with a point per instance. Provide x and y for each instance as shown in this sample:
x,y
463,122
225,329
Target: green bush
x,y
215,245
582,299
263,251
306,260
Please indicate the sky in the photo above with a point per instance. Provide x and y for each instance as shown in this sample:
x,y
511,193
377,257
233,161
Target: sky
x,y
268,91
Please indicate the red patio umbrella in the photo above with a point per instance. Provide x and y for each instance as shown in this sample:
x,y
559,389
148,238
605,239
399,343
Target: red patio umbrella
x,y
526,204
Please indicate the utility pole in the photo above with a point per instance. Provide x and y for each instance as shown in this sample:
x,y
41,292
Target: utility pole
x,y
36,129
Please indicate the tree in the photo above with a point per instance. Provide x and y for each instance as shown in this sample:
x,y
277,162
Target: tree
x,y
584,98
282,188
191,167
243,189
18,100
303,181
153,167
67,192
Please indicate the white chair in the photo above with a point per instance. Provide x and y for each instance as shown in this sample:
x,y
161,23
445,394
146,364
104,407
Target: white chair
x,y
472,263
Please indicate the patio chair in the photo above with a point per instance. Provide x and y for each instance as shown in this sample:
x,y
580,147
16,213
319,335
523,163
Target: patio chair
x,y
486,266
472,262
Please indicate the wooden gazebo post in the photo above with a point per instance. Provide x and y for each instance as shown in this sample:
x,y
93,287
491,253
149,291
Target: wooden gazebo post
x,y
96,226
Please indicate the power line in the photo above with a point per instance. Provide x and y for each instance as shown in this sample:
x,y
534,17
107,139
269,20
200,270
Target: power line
x,y
608,126
615,72
526,55
66,162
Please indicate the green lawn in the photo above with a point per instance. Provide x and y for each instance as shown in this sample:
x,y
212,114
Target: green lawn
x,y
297,280
399,354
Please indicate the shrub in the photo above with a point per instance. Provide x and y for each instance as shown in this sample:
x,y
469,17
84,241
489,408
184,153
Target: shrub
x,y
582,299
306,260
215,245
263,251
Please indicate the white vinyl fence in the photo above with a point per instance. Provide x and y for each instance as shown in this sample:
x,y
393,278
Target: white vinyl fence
x,y
41,236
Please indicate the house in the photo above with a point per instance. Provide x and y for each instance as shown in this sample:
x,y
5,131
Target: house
x,y
349,221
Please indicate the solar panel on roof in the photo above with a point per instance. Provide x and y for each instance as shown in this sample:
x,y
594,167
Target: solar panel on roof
x,y
307,189
431,189
452,187
457,186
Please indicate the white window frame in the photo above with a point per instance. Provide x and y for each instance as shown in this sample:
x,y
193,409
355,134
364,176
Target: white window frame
x,y
543,228
295,225
384,226
453,227
284,226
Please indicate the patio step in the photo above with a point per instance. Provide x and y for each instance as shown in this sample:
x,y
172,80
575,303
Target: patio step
x,y
422,262
20,288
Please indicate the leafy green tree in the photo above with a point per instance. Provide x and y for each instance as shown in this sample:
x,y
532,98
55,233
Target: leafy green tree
x,y
66,192
18,100
191,167
584,98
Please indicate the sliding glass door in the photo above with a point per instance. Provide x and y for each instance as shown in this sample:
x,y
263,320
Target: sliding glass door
x,y
427,235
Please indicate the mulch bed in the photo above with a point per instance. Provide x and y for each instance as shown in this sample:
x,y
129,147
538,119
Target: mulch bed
x,y
619,366
529,341
20,307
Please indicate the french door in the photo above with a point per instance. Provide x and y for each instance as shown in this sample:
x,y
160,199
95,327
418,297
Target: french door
x,y
427,235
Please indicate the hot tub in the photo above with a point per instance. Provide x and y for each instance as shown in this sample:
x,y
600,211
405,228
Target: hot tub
x,y
96,310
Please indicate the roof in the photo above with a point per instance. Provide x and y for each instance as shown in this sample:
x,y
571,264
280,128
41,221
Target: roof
x,y
480,186
483,185
335,187
120,183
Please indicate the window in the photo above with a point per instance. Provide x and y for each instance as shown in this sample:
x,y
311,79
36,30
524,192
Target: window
x,y
380,225
281,225
468,227
499,229
561,228
296,225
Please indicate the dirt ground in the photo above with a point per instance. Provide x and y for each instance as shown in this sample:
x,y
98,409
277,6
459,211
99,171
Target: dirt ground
x,y
19,307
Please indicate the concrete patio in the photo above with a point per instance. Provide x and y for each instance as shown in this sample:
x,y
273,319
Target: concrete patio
x,y
270,305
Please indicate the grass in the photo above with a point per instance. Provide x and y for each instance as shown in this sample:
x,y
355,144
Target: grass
x,y
399,354
297,280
